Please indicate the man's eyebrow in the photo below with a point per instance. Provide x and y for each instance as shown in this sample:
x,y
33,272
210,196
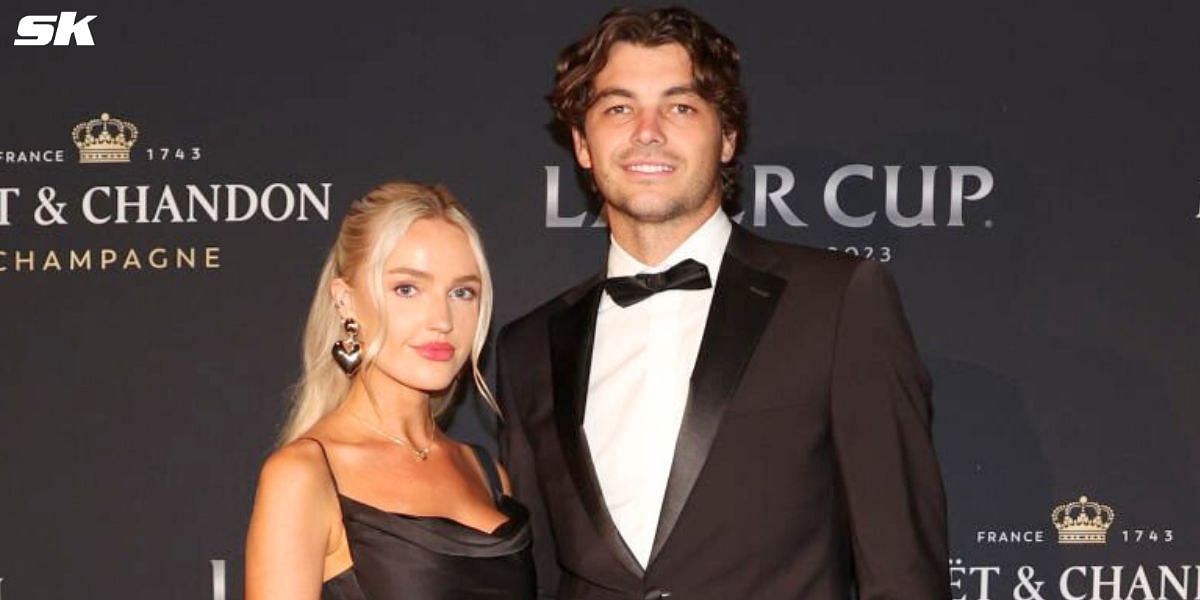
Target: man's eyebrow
x,y
681,90
611,91
676,90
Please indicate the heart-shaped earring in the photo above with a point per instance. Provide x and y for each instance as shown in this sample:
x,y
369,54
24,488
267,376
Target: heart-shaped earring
x,y
347,353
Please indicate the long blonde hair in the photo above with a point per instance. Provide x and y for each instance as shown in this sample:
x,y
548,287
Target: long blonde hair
x,y
372,227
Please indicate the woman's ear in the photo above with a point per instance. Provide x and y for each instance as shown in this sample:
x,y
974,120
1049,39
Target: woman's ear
x,y
339,290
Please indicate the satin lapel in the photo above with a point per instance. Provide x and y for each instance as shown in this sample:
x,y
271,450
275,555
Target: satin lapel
x,y
742,305
571,335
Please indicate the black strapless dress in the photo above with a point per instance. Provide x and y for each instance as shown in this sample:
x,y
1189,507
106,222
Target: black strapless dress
x,y
402,556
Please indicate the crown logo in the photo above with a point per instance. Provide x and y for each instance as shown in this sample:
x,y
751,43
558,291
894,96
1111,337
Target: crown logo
x,y
1083,522
104,140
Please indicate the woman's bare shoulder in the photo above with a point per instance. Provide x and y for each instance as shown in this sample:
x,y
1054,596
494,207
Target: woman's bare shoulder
x,y
292,523
297,469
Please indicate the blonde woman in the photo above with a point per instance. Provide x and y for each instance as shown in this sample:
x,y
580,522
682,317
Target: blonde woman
x,y
366,498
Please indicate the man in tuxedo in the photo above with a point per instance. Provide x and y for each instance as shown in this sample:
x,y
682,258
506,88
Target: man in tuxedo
x,y
713,415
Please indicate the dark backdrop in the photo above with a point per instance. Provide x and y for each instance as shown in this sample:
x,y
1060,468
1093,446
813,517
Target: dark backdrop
x,y
1056,311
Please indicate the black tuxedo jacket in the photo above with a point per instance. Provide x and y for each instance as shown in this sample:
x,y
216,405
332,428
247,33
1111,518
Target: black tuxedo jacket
x,y
804,466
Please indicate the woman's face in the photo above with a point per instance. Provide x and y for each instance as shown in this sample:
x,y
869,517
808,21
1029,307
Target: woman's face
x,y
431,295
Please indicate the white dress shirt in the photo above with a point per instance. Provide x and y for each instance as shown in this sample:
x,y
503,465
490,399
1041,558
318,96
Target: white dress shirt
x,y
642,361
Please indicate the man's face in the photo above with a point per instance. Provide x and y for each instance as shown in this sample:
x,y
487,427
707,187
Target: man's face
x,y
654,146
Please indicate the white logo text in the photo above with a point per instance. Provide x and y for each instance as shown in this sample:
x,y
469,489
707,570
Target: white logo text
x,y
41,30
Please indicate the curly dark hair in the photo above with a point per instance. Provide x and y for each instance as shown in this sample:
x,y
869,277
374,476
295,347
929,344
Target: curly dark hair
x,y
716,70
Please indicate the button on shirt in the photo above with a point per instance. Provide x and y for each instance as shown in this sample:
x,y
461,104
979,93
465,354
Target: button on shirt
x,y
642,360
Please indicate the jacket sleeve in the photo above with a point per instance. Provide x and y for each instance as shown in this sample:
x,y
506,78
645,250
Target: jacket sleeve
x,y
882,434
517,456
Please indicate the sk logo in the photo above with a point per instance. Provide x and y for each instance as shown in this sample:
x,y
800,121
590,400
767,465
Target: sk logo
x,y
40,30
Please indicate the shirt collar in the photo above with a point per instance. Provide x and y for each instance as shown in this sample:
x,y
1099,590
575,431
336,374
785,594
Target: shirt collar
x,y
706,245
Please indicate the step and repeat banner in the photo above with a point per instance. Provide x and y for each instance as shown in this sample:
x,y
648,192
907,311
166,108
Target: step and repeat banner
x,y
172,174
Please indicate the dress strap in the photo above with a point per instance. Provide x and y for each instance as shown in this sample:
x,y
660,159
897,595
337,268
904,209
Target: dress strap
x,y
328,466
489,469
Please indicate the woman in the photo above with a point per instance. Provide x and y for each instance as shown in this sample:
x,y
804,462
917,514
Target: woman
x,y
366,498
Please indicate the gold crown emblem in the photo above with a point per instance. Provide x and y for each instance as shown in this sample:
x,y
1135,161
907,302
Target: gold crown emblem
x,y
104,140
1083,522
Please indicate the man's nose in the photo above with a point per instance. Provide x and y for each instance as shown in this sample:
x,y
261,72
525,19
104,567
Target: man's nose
x,y
649,129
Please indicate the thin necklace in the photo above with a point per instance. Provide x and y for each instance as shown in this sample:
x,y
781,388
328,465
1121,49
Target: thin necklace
x,y
421,453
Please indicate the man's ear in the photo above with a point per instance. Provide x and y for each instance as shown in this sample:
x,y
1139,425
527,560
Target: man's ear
x,y
728,145
582,154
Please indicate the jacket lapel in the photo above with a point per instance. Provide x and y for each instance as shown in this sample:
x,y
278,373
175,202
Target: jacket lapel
x,y
743,302
572,331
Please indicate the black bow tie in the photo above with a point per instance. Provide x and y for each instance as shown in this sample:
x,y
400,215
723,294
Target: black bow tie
x,y
687,275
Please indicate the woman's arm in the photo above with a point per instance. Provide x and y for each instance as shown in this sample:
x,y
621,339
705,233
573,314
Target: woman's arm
x,y
291,525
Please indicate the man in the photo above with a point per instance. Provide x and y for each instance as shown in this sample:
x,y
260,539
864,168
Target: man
x,y
715,415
